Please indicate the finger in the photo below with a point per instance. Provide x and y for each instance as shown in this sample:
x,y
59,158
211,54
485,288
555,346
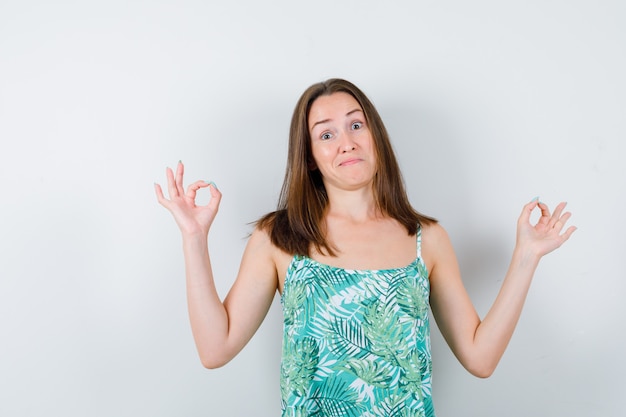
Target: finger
x,y
192,189
180,170
216,196
568,233
556,216
171,184
159,194
560,223
545,214
527,210
564,218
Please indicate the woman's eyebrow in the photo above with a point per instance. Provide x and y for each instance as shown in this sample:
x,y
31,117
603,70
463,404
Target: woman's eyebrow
x,y
320,122
328,120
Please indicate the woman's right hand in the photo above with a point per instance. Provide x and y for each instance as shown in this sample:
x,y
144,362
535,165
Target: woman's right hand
x,y
191,218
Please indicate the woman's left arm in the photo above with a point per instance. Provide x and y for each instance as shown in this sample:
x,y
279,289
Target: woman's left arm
x,y
479,344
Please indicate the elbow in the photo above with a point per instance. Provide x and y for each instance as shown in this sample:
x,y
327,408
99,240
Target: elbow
x,y
215,354
213,361
481,368
482,372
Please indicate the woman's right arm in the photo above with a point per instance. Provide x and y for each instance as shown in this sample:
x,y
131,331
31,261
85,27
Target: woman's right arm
x,y
220,329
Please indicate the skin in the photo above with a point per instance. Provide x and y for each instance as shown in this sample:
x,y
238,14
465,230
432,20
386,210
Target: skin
x,y
343,152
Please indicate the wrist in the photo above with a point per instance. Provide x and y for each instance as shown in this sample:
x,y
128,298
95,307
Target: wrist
x,y
195,237
524,255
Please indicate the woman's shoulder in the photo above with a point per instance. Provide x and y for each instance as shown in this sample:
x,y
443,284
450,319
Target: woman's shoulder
x,y
266,228
433,231
436,245
435,242
262,243
286,234
273,221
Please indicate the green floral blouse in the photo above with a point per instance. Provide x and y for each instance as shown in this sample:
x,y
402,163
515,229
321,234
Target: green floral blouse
x,y
356,342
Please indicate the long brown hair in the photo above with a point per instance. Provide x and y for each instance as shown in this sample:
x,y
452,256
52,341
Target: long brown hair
x,y
298,221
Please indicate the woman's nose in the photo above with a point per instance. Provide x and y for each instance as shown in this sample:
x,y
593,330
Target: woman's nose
x,y
347,143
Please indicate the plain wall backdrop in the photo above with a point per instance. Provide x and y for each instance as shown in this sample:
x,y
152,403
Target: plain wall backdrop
x,y
488,104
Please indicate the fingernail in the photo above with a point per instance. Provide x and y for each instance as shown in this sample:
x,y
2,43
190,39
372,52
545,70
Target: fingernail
x,y
534,199
212,183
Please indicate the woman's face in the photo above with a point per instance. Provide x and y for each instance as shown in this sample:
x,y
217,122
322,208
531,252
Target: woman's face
x,y
341,142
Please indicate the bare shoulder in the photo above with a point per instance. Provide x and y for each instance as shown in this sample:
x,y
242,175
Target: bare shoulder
x,y
435,244
260,244
260,237
433,234
257,265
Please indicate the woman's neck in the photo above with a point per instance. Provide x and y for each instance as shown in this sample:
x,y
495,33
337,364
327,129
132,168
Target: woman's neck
x,y
357,206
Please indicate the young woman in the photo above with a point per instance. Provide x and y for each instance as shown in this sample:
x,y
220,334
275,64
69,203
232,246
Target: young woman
x,y
357,268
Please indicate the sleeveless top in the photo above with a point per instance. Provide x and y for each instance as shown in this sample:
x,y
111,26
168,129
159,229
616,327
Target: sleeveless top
x,y
356,342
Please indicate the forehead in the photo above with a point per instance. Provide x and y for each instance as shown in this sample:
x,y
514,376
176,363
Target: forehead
x,y
329,107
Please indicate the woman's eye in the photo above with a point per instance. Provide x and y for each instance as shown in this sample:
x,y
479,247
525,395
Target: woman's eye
x,y
357,125
326,136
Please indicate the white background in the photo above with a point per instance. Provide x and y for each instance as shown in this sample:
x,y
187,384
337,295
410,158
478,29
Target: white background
x,y
488,103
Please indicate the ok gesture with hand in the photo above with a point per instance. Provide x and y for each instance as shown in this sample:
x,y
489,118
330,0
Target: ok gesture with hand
x,y
547,234
191,218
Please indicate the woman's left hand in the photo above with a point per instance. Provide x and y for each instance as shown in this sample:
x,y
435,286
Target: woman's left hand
x,y
545,236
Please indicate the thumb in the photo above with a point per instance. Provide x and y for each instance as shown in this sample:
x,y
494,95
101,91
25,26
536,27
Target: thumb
x,y
216,196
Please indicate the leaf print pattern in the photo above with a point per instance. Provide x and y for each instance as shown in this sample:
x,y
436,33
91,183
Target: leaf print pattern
x,y
356,342
298,369
371,372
